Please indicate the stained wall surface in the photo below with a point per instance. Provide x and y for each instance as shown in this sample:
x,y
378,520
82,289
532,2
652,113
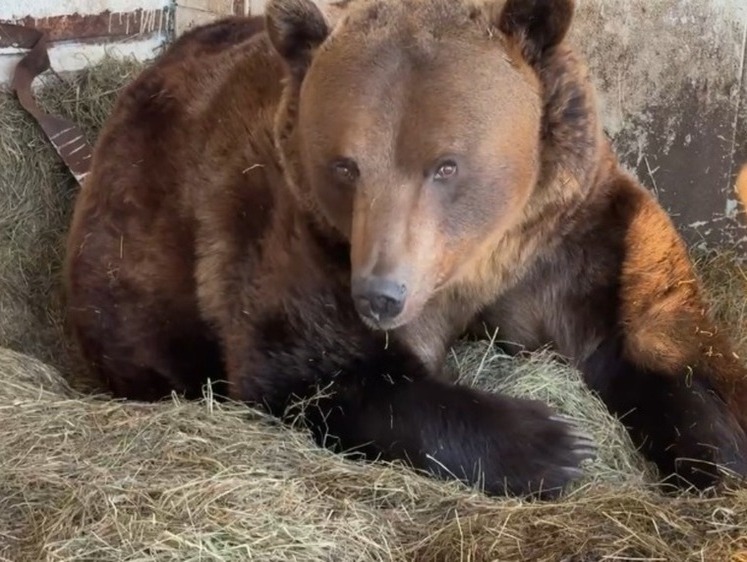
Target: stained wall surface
x,y
673,91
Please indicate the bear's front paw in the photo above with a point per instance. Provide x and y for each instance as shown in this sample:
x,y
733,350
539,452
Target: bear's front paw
x,y
542,454
510,446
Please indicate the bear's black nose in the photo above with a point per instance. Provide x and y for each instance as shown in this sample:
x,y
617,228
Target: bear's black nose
x,y
378,298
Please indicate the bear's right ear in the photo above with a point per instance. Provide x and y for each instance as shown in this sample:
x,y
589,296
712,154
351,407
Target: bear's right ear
x,y
295,28
538,24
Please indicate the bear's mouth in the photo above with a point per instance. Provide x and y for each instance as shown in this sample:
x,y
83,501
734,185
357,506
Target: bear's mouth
x,y
375,322
382,325
410,312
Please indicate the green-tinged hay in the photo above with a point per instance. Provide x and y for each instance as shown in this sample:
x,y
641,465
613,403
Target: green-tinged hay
x,y
26,378
725,276
85,478
90,479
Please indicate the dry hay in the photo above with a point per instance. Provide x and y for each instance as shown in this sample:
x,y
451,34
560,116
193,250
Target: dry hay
x,y
86,478
90,479
36,193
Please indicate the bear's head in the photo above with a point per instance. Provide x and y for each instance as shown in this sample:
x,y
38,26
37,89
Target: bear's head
x,y
413,127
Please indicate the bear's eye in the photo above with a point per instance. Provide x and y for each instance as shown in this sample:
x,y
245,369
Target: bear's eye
x,y
446,171
346,170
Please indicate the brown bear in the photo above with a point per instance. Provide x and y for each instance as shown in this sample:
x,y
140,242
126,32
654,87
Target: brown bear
x,y
319,211
212,38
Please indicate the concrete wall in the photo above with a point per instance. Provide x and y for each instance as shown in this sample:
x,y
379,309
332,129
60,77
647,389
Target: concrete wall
x,y
673,90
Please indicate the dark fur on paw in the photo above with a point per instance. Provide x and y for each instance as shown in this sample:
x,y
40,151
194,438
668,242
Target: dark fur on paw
x,y
515,447
708,449
551,449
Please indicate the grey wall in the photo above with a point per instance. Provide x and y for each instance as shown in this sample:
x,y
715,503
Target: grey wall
x,y
671,76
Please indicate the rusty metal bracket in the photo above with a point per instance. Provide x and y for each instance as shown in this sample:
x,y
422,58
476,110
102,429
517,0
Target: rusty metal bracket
x,y
67,138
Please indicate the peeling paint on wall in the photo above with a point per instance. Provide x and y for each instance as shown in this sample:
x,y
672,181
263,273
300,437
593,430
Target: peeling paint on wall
x,y
16,9
82,32
96,27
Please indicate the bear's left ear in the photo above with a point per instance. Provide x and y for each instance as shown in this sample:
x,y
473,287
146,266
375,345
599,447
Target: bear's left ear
x,y
295,28
538,24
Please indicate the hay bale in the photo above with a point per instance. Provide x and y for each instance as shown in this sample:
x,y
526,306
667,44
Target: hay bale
x,y
91,479
84,478
26,378
725,278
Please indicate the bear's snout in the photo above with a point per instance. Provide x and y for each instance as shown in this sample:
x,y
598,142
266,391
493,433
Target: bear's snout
x,y
378,299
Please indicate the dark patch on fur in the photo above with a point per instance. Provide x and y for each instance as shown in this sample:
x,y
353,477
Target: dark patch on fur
x,y
295,28
680,423
334,247
538,24
214,37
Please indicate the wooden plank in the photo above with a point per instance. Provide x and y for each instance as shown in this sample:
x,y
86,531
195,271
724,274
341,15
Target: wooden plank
x,y
190,13
11,10
74,56
258,6
242,7
103,26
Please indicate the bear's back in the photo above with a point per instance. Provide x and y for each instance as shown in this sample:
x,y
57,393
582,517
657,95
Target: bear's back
x,y
184,120
188,128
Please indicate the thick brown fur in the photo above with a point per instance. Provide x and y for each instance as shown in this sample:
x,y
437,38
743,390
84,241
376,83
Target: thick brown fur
x,y
741,186
251,195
